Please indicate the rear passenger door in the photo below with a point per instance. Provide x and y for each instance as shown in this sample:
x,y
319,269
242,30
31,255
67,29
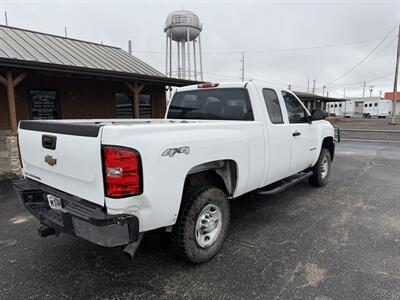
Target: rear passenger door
x,y
303,134
277,138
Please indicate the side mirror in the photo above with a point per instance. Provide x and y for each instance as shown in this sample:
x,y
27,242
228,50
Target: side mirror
x,y
317,115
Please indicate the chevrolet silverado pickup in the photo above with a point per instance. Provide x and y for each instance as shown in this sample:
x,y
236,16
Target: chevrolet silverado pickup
x,y
110,181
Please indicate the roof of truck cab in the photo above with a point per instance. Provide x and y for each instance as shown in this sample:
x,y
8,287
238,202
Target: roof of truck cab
x,y
220,85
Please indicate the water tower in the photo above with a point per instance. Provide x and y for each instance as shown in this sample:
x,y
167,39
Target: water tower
x,y
183,27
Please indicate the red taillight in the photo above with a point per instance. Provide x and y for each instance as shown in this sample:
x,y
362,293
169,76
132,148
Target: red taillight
x,y
207,85
122,172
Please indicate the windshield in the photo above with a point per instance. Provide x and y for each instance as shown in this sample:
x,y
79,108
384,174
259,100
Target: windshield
x,y
211,104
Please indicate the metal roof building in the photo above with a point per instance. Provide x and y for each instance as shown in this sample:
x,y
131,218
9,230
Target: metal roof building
x,y
313,101
36,50
44,76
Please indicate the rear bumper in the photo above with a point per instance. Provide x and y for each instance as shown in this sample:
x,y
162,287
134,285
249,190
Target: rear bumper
x,y
77,216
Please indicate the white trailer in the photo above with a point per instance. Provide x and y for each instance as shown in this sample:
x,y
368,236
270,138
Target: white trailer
x,y
377,108
341,109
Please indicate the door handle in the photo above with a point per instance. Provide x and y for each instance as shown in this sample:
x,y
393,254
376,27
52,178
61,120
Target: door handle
x,y
296,133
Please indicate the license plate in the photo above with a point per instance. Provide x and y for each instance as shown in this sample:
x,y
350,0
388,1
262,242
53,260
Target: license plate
x,y
54,202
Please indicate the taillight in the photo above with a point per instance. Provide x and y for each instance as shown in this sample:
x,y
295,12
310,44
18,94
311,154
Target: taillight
x,y
122,172
207,85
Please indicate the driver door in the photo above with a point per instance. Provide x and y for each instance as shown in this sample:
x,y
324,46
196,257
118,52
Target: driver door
x,y
303,134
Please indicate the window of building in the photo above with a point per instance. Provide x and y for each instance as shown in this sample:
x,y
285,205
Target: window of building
x,y
123,106
145,106
375,104
365,105
273,106
296,111
340,105
335,105
370,105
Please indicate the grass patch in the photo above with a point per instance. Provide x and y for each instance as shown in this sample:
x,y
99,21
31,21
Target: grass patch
x,y
7,175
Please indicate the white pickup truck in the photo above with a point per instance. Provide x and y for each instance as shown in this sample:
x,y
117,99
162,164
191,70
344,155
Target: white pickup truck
x,y
110,181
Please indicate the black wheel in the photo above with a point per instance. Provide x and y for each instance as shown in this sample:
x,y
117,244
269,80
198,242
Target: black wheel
x,y
321,169
202,223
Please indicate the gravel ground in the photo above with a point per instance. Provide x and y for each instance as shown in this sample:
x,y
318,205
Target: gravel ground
x,y
337,242
373,123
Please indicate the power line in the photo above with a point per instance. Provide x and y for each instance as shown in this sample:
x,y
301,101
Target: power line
x,y
222,75
364,59
271,50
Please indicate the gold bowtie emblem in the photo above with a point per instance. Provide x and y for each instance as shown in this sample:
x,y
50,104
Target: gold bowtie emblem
x,y
50,160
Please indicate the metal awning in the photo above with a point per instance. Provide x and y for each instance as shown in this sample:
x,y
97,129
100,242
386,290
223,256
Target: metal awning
x,y
317,98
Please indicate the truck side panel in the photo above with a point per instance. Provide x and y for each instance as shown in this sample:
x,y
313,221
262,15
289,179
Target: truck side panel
x,y
164,176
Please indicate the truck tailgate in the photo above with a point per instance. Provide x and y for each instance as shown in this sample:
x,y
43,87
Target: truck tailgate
x,y
65,156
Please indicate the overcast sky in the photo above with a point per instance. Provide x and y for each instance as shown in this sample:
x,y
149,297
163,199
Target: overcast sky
x,y
350,30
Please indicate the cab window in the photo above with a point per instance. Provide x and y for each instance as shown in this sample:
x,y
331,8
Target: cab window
x,y
273,106
296,111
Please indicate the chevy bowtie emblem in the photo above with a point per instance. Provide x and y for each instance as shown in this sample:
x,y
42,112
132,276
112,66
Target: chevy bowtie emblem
x,y
50,160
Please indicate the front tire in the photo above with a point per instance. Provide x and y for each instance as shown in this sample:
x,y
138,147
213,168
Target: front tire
x,y
202,224
321,169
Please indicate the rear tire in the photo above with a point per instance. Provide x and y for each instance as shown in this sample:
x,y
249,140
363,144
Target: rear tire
x,y
321,169
202,224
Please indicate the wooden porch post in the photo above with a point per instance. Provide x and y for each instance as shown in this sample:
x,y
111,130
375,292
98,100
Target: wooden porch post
x,y
11,103
135,90
10,84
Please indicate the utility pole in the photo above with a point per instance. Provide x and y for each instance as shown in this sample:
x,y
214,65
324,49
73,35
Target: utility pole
x,y
5,16
242,68
290,87
130,47
323,91
363,89
308,84
313,87
394,99
65,31
371,89
344,92
327,93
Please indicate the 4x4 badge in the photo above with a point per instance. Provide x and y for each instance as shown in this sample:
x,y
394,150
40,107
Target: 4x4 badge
x,y
50,160
172,151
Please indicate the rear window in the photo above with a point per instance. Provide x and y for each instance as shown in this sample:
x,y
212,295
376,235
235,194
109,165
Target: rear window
x,y
212,104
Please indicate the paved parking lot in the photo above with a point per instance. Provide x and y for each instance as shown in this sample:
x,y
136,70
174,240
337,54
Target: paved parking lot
x,y
338,242
373,123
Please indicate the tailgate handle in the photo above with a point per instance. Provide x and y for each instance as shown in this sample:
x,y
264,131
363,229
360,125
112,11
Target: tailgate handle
x,y
49,141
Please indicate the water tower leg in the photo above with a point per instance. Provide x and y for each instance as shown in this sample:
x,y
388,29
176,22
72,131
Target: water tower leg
x,y
188,50
183,60
170,54
166,54
179,60
194,59
201,60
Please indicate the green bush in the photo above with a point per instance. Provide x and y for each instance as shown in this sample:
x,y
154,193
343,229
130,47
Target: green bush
x,y
7,175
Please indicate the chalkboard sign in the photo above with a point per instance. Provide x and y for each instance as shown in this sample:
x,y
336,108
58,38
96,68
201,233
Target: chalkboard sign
x,y
43,105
